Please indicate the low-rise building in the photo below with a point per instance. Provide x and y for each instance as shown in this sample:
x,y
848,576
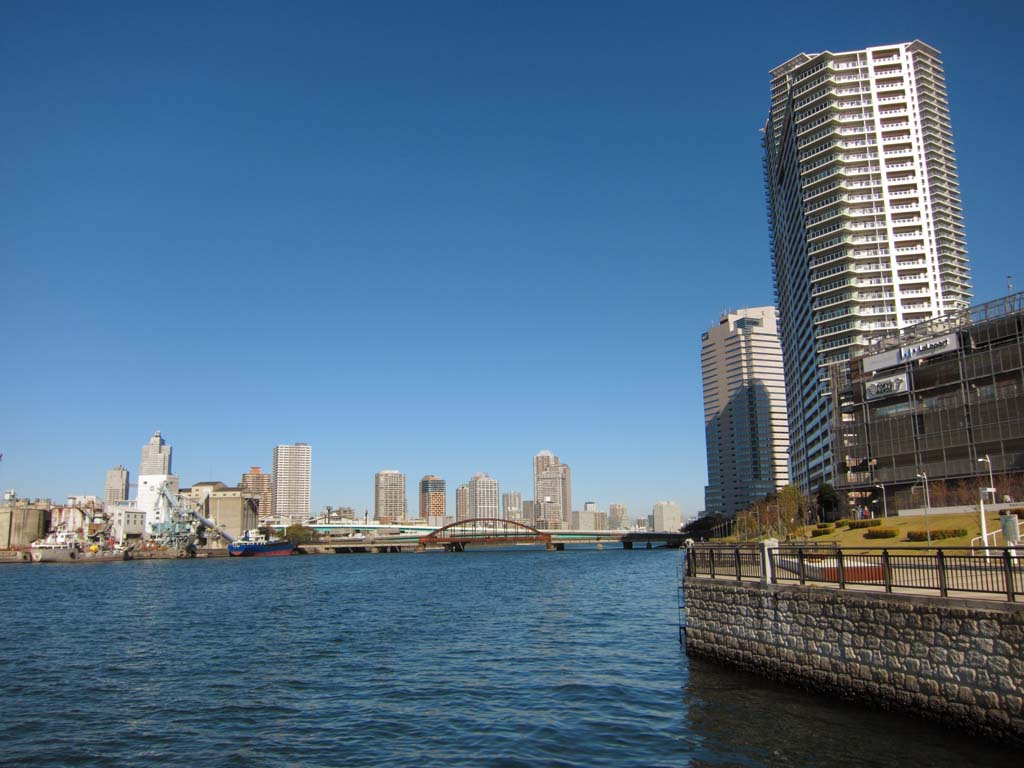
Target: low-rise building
x,y
23,521
234,509
942,400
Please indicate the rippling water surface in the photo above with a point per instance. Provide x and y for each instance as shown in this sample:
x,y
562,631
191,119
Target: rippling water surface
x,y
486,658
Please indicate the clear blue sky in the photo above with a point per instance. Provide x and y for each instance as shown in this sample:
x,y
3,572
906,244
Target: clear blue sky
x,y
434,237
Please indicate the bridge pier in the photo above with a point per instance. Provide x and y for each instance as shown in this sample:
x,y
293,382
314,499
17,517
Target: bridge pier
x,y
555,546
627,545
600,546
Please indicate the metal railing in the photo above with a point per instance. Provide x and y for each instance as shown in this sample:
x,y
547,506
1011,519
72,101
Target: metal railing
x,y
959,570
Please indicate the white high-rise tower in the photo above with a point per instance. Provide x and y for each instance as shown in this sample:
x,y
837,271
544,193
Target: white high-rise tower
x,y
483,496
866,226
291,482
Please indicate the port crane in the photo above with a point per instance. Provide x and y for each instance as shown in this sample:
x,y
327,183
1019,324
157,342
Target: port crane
x,y
185,525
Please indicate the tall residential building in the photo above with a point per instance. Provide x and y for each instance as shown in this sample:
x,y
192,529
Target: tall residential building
x,y
462,502
550,489
116,488
260,485
432,499
745,425
866,227
156,456
512,505
291,482
543,462
389,496
618,516
483,496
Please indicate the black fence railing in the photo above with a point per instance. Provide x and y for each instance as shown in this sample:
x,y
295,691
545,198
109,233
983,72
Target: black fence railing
x,y
990,571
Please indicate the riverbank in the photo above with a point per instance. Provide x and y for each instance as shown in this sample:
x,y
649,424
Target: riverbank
x,y
959,662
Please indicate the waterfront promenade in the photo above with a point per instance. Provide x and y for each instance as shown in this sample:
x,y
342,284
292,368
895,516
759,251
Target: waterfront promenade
x,y
939,633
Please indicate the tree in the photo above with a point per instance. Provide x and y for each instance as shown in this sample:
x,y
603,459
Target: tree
x,y
300,534
829,502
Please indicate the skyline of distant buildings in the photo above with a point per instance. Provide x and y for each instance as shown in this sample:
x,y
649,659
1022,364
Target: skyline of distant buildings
x,y
256,492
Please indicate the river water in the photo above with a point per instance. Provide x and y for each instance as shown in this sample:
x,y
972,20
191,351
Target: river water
x,y
485,658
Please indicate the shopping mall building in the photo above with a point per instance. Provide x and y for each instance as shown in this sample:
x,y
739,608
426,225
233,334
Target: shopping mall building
x,y
943,399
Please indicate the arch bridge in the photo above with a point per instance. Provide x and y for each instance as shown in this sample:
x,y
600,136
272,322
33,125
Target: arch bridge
x,y
487,532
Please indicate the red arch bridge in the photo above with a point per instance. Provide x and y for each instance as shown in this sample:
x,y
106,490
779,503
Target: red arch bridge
x,y
485,531
476,532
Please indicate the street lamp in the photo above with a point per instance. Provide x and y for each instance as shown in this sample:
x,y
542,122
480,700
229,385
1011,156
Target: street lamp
x,y
927,508
885,504
981,500
991,482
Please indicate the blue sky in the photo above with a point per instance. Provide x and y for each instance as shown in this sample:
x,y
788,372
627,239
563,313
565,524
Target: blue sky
x,y
434,237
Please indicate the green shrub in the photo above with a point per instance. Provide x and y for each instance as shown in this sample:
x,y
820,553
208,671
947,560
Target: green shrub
x,y
937,535
840,523
882,533
856,524
824,526
820,532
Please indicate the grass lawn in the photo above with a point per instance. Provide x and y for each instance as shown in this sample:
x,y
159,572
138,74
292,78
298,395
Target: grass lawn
x,y
846,537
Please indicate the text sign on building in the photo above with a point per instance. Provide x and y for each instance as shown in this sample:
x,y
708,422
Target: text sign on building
x,y
919,351
893,385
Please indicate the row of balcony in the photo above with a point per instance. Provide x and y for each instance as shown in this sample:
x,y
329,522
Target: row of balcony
x,y
848,267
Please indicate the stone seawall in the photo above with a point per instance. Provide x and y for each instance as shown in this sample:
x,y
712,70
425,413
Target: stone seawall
x,y
958,661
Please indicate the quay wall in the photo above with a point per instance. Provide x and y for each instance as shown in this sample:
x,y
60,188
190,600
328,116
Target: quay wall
x,y
957,661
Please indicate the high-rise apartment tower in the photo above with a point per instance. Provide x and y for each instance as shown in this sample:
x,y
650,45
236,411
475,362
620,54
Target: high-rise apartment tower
x,y
291,482
462,502
512,505
745,425
432,499
866,226
546,461
483,496
389,496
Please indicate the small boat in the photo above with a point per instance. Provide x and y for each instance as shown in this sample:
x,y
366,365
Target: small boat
x,y
63,546
255,544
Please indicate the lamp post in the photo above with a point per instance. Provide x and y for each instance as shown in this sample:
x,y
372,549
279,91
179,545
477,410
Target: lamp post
x,y
885,504
927,508
991,482
981,513
981,500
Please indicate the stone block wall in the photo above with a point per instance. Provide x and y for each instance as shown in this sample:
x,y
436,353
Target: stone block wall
x,y
957,661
